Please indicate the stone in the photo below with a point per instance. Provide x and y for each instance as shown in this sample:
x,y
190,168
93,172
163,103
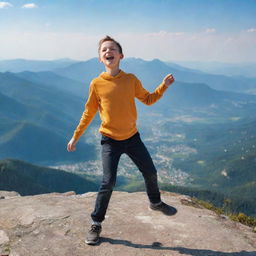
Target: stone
x,y
3,238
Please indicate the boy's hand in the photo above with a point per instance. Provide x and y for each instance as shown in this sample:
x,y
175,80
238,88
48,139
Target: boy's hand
x,y
168,80
71,145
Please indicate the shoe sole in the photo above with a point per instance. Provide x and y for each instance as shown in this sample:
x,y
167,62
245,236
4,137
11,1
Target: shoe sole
x,y
152,209
92,242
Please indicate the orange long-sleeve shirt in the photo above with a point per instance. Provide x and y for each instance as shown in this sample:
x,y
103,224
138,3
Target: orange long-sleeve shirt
x,y
114,97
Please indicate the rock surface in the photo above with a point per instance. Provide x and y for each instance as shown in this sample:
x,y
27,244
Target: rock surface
x,y
8,194
56,225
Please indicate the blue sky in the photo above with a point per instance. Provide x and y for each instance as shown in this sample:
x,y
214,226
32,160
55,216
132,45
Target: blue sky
x,y
184,30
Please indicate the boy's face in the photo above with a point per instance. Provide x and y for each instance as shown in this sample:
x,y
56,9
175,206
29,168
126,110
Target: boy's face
x,y
109,54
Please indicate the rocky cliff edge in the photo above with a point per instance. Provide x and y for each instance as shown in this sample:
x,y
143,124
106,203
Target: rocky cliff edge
x,y
56,225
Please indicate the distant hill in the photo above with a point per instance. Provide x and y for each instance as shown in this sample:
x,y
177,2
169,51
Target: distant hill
x,y
83,71
28,179
38,121
20,65
55,81
36,144
37,94
8,105
196,95
220,68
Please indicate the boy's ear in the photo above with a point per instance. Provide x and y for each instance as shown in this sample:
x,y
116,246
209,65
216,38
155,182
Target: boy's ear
x,y
99,59
122,56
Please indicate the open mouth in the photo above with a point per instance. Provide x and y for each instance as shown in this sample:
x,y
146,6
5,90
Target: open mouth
x,y
109,58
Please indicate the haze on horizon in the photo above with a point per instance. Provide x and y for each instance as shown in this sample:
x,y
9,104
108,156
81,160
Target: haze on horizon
x,y
188,30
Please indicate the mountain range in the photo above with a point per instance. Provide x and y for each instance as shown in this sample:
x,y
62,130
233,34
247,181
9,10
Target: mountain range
x,y
49,104
43,105
238,77
152,72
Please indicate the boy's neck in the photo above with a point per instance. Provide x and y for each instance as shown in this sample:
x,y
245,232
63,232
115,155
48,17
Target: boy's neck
x,y
113,72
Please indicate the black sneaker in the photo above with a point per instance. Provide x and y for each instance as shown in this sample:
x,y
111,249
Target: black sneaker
x,y
93,235
164,208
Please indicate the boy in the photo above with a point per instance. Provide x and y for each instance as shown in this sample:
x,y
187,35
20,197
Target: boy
x,y
113,94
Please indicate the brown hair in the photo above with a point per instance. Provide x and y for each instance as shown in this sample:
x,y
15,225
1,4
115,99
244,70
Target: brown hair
x,y
108,38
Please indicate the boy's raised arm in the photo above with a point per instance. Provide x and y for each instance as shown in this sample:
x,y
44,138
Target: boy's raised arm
x,y
150,98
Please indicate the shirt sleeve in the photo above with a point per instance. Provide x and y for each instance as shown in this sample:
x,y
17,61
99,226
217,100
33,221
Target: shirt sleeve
x,y
91,108
146,97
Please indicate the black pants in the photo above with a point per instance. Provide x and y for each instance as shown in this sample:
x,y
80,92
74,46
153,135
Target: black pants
x,y
111,153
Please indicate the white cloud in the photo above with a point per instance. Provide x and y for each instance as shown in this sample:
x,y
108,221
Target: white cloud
x,y
210,30
5,5
165,33
29,6
251,30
